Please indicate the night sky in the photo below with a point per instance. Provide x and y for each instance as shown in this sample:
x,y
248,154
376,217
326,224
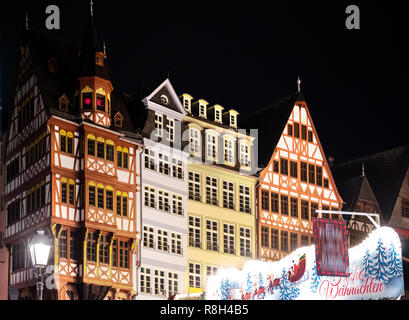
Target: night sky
x,y
246,55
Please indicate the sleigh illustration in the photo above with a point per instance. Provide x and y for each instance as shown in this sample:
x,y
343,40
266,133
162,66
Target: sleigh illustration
x,y
298,273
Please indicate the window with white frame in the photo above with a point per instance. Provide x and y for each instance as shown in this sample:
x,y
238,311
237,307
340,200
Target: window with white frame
x,y
212,235
145,280
244,154
171,129
164,164
194,141
163,201
176,243
173,283
228,150
150,197
150,159
228,238
194,232
159,124
195,277
148,237
244,199
177,204
159,278
163,240
177,168
245,242
211,191
194,186
211,146
228,195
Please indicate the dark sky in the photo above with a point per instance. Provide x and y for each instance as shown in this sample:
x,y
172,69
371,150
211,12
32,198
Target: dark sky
x,y
246,55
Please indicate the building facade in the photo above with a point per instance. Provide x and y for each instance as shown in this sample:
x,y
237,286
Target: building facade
x,y
164,202
221,192
71,170
295,179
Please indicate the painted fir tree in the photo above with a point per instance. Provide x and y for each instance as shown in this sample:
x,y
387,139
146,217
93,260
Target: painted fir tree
x,y
249,284
380,264
395,263
366,264
225,288
315,278
287,291
261,286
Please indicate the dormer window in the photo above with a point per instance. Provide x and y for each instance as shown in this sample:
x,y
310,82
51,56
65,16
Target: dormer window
x,y
218,115
63,103
233,118
87,100
99,58
203,108
118,119
187,101
100,102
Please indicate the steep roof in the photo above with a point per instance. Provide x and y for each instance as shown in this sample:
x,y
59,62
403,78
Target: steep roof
x,y
385,172
70,65
86,64
270,122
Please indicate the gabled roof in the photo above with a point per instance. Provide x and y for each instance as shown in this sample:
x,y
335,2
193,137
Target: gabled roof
x,y
166,88
385,172
270,122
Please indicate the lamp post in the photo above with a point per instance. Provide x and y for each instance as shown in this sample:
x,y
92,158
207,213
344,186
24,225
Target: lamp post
x,y
39,250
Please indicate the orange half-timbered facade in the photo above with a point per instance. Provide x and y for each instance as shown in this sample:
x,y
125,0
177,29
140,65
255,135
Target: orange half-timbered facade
x,y
295,180
71,171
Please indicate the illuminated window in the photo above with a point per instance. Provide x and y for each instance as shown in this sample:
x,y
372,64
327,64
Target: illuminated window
x,y
163,240
176,243
100,102
145,280
163,201
62,244
150,197
104,250
87,100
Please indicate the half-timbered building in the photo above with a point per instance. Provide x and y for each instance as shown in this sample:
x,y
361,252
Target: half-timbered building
x,y
72,168
295,179
163,224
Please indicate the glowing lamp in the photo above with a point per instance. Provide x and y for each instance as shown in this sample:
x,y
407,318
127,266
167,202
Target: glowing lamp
x,y
39,249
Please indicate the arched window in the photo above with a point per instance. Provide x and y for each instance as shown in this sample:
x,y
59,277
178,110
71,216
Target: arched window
x,y
229,157
91,145
194,142
244,154
122,157
109,198
110,150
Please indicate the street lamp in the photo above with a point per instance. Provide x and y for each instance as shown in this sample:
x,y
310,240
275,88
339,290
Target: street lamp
x,y
39,249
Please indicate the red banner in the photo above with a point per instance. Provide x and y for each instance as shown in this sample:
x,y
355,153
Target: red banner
x,y
331,247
